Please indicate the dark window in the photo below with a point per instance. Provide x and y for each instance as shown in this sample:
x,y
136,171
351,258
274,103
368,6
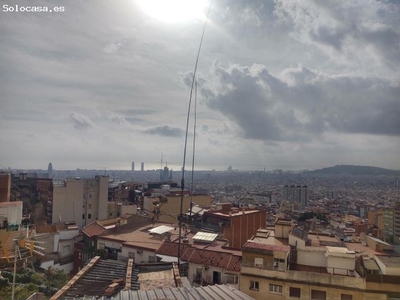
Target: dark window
x,y
294,292
89,216
346,297
318,295
277,289
83,216
254,285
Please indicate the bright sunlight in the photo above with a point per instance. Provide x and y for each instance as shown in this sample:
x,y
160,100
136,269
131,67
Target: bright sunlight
x,y
172,11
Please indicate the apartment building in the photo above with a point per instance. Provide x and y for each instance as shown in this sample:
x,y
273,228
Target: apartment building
x,y
313,266
396,231
80,200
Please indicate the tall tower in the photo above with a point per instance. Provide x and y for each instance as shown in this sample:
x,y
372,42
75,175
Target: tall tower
x,y
133,166
142,166
50,170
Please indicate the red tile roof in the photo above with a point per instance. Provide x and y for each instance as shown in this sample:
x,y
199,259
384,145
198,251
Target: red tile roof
x,y
223,260
260,246
93,229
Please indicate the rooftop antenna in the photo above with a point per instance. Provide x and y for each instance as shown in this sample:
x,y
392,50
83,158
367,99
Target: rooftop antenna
x,y
186,136
194,149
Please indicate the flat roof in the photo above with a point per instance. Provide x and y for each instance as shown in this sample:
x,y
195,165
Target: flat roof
x,y
389,260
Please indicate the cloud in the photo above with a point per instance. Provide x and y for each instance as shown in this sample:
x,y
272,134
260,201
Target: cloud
x,y
300,104
80,121
364,37
165,130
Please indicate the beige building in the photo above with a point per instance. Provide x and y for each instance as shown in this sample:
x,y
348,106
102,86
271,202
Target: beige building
x,y
169,206
313,266
80,200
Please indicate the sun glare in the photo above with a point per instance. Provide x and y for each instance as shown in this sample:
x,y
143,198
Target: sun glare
x,y
172,11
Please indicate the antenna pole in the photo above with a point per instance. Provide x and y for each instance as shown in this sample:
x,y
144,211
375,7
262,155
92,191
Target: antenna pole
x,y
186,136
15,268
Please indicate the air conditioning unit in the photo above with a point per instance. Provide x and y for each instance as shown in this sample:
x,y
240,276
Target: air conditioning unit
x,y
139,251
205,268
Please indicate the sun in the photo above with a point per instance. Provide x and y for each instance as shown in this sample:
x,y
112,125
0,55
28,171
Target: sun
x,y
174,11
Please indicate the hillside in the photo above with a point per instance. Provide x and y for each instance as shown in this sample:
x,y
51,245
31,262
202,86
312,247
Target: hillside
x,y
356,170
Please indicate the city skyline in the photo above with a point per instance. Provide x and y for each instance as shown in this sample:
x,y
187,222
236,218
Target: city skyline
x,y
286,85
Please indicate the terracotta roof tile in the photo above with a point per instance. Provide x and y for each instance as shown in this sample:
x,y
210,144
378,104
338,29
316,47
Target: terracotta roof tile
x,y
93,229
212,258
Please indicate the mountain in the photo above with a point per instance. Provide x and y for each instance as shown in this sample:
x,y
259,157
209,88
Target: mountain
x,y
355,170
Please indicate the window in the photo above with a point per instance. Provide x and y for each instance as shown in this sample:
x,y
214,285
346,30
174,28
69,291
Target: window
x,y
89,216
102,245
66,248
318,295
90,205
83,216
231,279
254,285
346,297
279,263
131,255
277,289
258,262
294,292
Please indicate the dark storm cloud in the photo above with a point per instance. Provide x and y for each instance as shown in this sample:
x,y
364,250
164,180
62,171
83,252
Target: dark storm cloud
x,y
165,130
80,121
303,105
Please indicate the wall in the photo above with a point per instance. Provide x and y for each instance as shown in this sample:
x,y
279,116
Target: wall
x,y
207,274
332,292
5,187
68,201
12,211
340,265
243,227
142,256
311,256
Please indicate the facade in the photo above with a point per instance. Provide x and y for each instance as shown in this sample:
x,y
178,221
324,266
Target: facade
x,y
388,224
142,166
314,266
396,231
295,194
236,225
5,187
80,200
11,214
133,166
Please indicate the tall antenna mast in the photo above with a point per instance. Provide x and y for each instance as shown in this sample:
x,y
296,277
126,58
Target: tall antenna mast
x,y
186,136
194,149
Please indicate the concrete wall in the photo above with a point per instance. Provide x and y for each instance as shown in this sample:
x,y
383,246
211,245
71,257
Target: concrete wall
x,y
340,265
141,256
12,211
207,274
332,292
80,200
311,256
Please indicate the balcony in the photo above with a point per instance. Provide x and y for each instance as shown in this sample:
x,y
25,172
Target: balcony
x,y
317,276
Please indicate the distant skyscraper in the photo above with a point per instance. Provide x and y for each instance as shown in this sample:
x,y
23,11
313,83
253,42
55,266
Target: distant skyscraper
x,y
50,170
133,166
142,166
295,194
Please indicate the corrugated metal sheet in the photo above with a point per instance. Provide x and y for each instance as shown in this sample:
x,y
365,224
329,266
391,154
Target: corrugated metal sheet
x,y
212,292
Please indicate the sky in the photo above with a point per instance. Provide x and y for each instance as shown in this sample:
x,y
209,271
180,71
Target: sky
x,y
285,84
